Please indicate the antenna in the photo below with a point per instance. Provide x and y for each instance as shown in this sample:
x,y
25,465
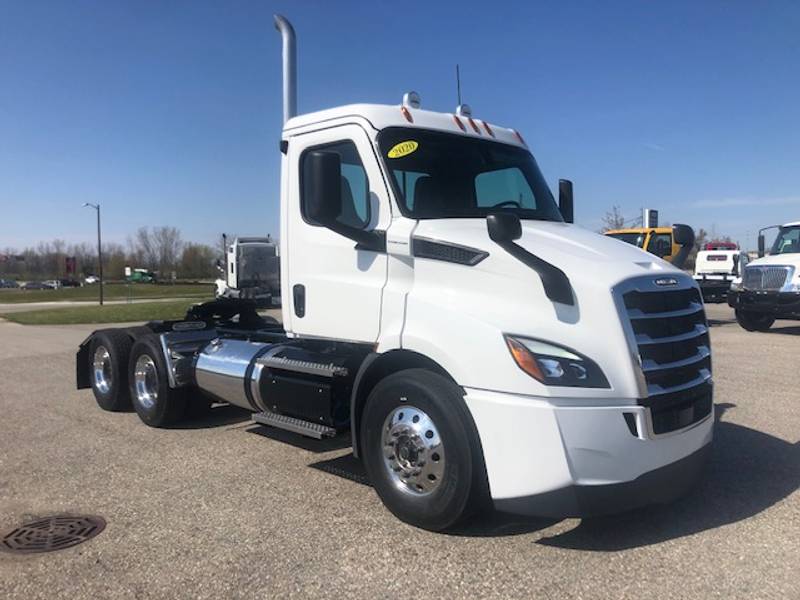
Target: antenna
x,y
458,84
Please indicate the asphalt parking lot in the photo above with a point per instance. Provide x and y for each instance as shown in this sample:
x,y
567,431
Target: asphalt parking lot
x,y
225,508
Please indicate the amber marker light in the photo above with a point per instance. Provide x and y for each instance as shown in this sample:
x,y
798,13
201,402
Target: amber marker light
x,y
524,359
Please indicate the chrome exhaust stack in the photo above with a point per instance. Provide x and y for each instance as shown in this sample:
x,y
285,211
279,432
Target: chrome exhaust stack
x,y
289,67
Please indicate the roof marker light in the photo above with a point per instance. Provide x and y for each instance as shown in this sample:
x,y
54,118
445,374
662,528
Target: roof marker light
x,y
459,123
474,126
412,99
520,138
487,128
407,114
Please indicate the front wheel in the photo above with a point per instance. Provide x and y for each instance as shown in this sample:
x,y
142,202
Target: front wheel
x,y
421,450
155,402
754,321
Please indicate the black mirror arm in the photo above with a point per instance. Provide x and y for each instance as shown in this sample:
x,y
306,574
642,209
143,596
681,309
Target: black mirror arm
x,y
555,282
374,240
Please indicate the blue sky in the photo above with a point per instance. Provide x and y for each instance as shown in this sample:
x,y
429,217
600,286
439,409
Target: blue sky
x,y
168,112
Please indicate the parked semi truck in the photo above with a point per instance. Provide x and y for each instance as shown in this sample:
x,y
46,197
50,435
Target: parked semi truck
x,y
441,309
716,266
251,270
769,287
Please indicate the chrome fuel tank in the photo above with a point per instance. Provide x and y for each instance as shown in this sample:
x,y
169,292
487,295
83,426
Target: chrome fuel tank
x,y
223,369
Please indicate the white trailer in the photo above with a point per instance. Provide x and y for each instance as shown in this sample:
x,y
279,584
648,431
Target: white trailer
x,y
440,306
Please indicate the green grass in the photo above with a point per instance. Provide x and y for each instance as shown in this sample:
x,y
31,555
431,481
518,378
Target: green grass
x,y
112,291
110,313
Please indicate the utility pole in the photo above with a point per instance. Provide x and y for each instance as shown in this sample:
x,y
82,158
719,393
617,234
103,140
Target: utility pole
x,y
99,248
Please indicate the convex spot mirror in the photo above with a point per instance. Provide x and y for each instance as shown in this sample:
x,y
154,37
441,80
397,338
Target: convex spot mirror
x,y
504,227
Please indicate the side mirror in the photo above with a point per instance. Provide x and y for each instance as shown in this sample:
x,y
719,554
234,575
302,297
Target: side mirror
x,y
761,245
220,266
565,201
683,235
735,271
323,183
504,227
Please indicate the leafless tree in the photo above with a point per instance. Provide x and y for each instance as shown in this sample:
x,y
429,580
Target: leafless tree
x,y
613,219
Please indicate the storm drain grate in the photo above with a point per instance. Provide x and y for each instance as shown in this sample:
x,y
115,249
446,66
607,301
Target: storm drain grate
x,y
52,533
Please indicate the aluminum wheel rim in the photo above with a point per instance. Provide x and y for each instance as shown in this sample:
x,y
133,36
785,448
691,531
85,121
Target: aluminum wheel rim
x,y
101,368
145,379
413,453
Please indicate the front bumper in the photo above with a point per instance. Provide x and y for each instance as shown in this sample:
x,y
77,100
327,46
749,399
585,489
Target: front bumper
x,y
713,289
573,461
777,304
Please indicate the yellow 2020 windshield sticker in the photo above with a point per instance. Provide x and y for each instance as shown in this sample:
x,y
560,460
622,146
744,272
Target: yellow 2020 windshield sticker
x,y
403,149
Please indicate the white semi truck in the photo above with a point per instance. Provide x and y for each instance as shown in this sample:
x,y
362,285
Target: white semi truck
x,y
441,307
251,270
769,287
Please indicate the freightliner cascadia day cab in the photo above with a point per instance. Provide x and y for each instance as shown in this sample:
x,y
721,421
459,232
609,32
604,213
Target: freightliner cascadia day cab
x,y
441,307
769,287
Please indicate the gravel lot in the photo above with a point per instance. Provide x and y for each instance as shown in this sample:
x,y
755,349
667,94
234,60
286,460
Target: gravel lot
x,y
224,508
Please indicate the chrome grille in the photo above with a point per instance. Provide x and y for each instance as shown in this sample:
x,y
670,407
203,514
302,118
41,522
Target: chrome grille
x,y
765,278
671,335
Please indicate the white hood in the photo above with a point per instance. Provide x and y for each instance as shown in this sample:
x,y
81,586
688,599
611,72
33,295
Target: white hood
x,y
580,253
777,259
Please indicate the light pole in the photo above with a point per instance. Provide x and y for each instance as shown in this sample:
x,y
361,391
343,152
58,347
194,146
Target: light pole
x,y
99,248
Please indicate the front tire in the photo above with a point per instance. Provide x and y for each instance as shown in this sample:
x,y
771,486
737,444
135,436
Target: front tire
x,y
752,321
108,365
155,402
421,450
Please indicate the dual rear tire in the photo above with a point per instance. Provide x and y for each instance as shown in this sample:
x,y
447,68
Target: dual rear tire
x,y
129,374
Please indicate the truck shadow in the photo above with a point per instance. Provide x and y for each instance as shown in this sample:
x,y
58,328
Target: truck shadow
x,y
785,330
220,415
749,472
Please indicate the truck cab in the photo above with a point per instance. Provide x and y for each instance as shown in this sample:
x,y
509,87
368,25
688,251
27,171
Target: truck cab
x,y
769,287
655,240
441,308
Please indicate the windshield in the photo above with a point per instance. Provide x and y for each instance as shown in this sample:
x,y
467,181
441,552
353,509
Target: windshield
x,y
442,175
787,242
257,264
634,239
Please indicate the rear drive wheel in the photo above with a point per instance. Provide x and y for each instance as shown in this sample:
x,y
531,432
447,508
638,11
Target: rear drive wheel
x,y
155,402
421,450
108,364
752,321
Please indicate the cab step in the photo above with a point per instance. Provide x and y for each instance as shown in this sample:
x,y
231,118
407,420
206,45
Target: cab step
x,y
306,428
302,366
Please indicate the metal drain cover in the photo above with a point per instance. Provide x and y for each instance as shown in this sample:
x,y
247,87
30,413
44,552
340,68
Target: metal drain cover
x,y
52,533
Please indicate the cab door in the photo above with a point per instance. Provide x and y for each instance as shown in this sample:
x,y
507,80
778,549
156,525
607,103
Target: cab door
x,y
335,288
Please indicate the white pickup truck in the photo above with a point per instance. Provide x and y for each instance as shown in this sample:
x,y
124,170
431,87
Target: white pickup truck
x,y
769,287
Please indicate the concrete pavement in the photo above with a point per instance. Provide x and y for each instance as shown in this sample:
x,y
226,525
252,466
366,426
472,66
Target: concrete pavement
x,y
224,508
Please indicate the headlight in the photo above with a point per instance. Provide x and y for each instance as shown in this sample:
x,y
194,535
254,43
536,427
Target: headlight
x,y
555,365
736,285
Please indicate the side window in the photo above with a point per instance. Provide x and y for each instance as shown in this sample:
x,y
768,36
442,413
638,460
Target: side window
x,y
660,244
504,187
355,185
